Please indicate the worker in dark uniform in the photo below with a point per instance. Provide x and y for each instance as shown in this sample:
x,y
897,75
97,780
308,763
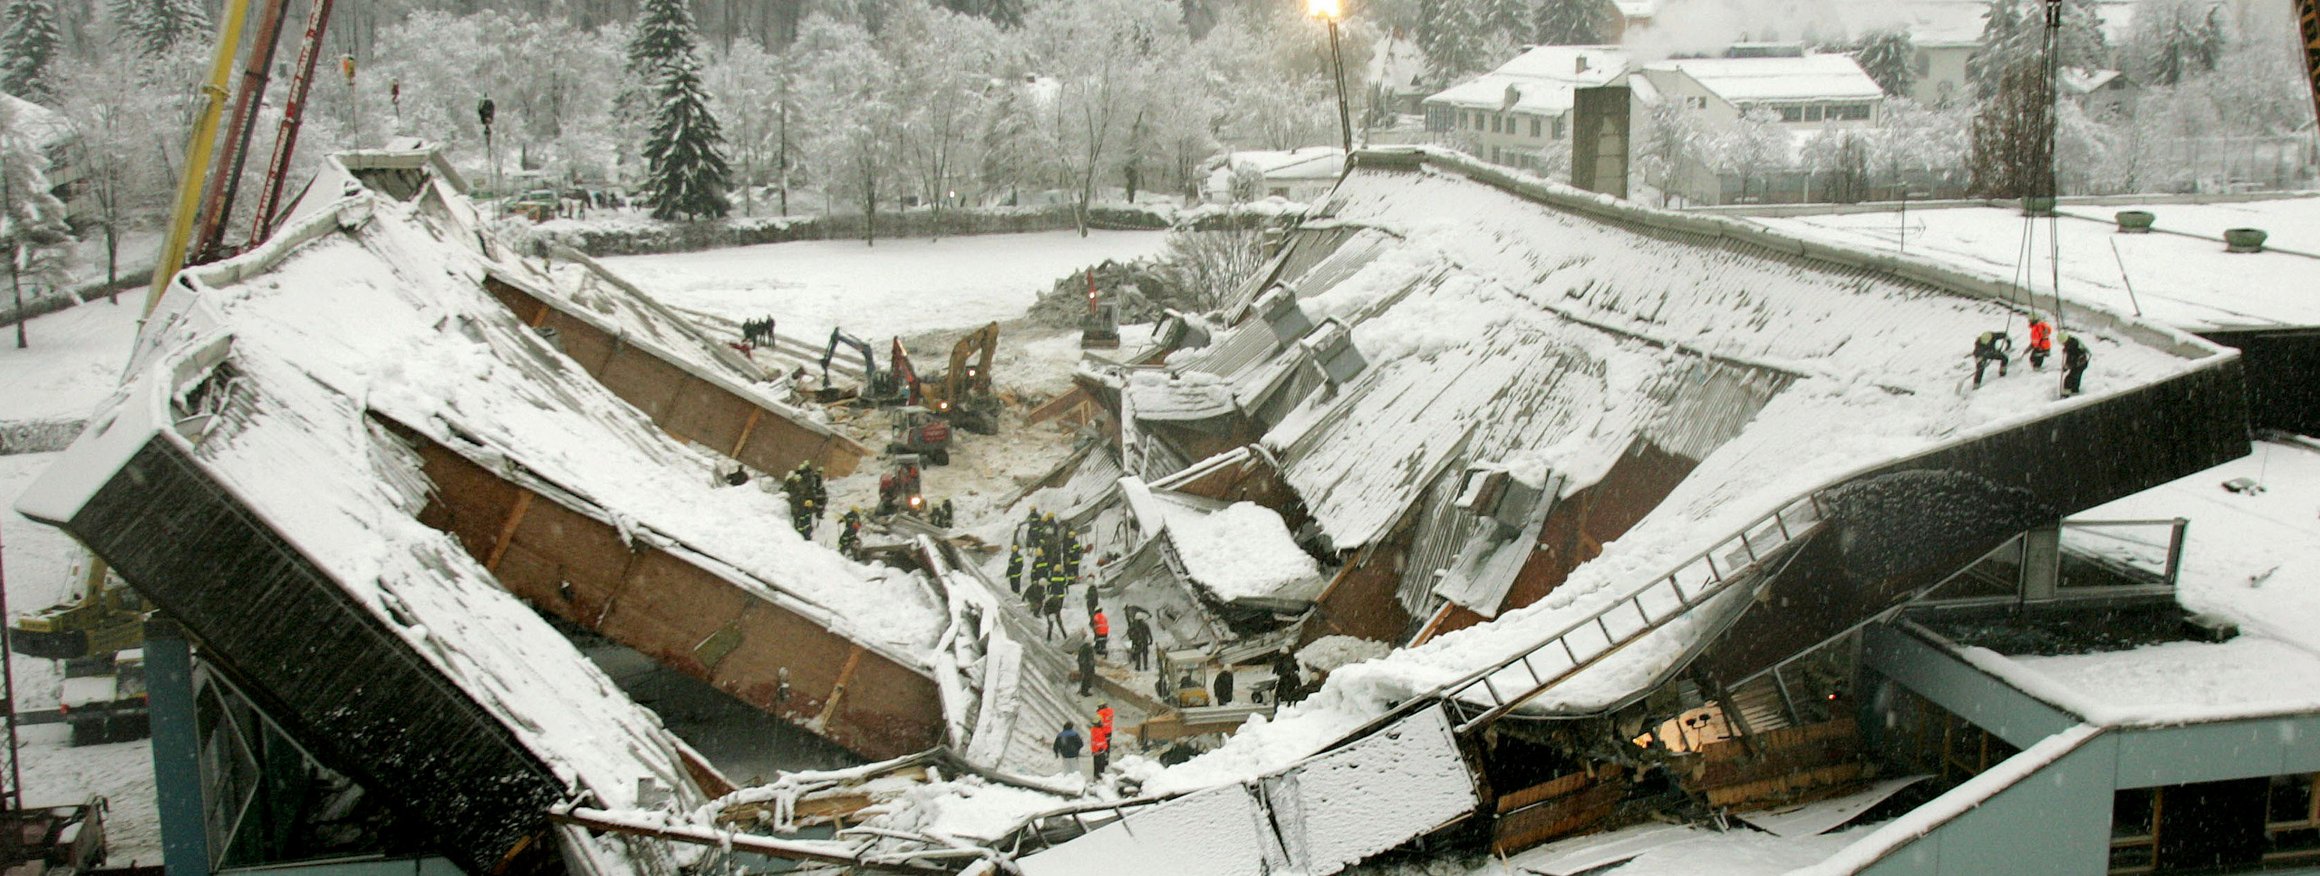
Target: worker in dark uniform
x,y
1015,567
1087,668
1991,347
850,534
2075,358
1054,609
1139,639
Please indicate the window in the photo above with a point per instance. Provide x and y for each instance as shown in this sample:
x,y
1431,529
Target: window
x,y
1536,124
1498,124
2135,830
1695,102
1558,132
1792,114
1852,112
1813,113
2292,820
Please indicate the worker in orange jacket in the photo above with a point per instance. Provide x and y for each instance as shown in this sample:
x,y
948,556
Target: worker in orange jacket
x,y
1103,628
2041,341
1100,746
1104,716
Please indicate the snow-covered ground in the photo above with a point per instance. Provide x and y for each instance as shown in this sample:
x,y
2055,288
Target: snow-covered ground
x,y
905,286
73,362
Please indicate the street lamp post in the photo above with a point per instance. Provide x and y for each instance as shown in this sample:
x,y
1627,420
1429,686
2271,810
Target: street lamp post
x,y
1330,12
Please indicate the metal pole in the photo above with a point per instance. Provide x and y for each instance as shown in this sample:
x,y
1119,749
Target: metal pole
x,y
1344,114
11,796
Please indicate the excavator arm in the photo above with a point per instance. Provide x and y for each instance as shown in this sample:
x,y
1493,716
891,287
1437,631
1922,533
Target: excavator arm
x,y
869,360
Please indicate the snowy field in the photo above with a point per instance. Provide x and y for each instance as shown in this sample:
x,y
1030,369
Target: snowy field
x,y
74,361
898,287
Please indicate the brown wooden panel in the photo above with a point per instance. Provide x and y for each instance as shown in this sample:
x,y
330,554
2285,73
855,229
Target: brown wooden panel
x,y
703,413
584,343
587,553
641,380
573,566
1577,806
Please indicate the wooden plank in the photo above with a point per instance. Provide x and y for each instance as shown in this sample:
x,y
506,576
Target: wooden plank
x,y
748,427
507,531
838,690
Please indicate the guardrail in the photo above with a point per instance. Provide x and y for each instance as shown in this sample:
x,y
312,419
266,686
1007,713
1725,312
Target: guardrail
x,y
1590,640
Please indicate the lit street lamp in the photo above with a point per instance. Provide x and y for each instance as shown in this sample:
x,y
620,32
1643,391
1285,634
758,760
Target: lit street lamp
x,y
1331,13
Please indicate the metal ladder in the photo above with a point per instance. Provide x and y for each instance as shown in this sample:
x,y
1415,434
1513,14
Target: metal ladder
x,y
1505,686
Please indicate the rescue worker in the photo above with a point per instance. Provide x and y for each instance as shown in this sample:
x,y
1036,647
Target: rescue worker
x,y
802,518
1100,747
2041,342
1067,744
1104,715
1054,610
1035,600
1991,347
1015,567
1103,630
1288,681
1224,686
1139,639
1087,668
850,535
2075,358
1039,577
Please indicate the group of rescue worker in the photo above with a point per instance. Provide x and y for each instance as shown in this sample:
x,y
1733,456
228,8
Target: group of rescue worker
x,y
1043,562
1998,347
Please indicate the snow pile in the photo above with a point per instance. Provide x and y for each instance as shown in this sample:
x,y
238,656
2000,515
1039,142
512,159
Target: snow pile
x,y
2173,682
1330,653
1242,552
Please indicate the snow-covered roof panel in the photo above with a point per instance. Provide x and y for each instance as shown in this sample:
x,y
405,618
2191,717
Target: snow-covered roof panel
x,y
1594,305
2180,275
1774,80
1242,551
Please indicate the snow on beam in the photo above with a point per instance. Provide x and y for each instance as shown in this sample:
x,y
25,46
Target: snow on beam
x,y
775,656
690,405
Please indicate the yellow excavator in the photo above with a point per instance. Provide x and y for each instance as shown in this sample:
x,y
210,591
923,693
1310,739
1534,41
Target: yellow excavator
x,y
106,617
962,393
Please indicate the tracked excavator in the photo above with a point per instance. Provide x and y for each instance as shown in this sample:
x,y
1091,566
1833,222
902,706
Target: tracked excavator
x,y
881,388
962,392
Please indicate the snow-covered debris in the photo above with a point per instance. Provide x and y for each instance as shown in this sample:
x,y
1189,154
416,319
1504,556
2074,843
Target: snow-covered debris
x,y
1507,320
1242,552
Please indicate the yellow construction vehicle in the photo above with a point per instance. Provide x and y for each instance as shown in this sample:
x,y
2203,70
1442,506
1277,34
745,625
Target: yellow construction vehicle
x,y
107,617
962,393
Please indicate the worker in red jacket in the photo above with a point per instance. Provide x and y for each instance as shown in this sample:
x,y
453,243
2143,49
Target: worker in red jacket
x,y
2041,341
1100,746
1103,627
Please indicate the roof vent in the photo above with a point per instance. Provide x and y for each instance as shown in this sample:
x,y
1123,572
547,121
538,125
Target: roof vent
x,y
2244,239
2136,221
1278,308
1332,348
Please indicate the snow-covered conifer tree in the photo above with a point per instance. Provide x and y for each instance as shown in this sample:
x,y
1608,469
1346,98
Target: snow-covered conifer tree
x,y
153,26
28,41
1889,57
685,171
1573,22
